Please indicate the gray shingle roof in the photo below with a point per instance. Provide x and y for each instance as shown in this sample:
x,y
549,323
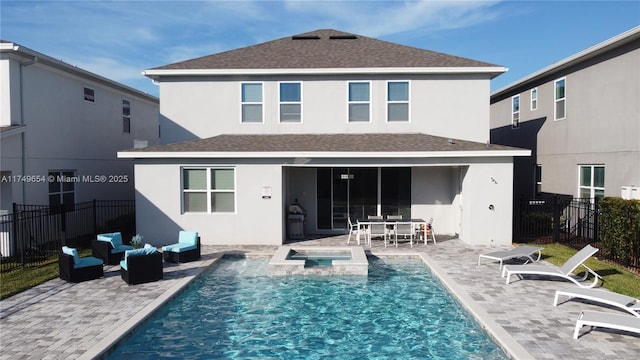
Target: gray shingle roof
x,y
324,143
322,49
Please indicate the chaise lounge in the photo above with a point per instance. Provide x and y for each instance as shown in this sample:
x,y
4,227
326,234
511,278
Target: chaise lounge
x,y
622,302
565,271
524,251
141,265
75,269
109,247
187,249
606,320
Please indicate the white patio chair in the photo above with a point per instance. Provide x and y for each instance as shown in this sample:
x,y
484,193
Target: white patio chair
x,y
606,320
353,230
377,229
403,229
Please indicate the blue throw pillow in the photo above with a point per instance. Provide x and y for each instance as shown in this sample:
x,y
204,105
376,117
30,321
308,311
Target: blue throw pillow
x,y
135,252
72,252
149,249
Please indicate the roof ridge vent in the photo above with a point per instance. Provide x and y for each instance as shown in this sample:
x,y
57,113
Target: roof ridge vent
x,y
305,37
343,37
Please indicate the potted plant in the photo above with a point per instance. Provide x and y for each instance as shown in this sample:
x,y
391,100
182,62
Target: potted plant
x,y
136,241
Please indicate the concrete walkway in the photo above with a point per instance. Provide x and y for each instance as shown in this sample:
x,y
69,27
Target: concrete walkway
x,y
59,320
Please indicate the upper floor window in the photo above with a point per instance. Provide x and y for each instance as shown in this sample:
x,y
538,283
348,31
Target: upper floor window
x,y
252,102
126,116
591,181
290,102
62,190
534,99
398,101
210,190
560,99
89,95
515,111
359,95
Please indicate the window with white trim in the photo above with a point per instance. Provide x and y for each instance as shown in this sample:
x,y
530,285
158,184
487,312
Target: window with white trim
x,y
208,190
251,102
290,102
397,101
560,103
515,112
89,95
359,101
591,183
534,99
538,170
62,189
126,116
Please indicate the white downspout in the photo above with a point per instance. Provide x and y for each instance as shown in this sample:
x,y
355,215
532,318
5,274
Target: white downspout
x,y
22,134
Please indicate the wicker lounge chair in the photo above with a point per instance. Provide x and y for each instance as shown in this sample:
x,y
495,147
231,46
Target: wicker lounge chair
x,y
565,271
622,302
109,247
76,269
606,320
524,251
186,249
141,266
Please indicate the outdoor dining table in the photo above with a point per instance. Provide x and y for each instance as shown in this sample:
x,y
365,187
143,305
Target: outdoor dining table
x,y
363,224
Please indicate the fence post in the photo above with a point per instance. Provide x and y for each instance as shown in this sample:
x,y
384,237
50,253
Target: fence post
x,y
556,218
17,238
596,220
95,218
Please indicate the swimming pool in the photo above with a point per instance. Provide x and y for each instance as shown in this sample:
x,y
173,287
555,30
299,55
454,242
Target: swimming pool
x,y
236,310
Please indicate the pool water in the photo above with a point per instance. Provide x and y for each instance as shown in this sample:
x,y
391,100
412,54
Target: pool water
x,y
235,310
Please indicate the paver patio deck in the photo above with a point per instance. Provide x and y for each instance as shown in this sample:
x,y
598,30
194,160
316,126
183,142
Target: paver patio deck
x,y
59,320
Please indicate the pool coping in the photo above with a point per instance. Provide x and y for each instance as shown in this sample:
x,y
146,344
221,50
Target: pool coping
x,y
280,265
502,338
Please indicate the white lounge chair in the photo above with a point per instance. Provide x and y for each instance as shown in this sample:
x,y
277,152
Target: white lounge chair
x,y
623,302
524,251
565,271
606,320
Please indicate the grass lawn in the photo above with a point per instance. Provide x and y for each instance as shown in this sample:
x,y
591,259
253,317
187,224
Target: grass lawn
x,y
616,278
20,280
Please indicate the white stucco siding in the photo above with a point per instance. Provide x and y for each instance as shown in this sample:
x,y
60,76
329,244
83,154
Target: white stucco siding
x,y
256,221
443,105
432,197
486,184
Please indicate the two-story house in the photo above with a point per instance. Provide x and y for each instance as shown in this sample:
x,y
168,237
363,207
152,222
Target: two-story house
x,y
61,128
580,117
343,125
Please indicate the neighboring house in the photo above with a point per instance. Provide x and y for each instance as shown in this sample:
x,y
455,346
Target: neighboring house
x,y
61,128
581,118
341,124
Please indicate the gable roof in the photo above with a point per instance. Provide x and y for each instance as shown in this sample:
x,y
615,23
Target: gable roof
x,y
324,49
621,43
322,145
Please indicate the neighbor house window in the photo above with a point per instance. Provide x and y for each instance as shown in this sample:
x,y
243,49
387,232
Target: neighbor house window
x,y
89,95
126,116
515,111
62,188
398,101
560,100
359,95
208,190
534,99
290,102
252,102
591,181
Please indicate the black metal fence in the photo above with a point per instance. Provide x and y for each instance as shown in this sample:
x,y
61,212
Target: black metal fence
x,y
554,218
33,234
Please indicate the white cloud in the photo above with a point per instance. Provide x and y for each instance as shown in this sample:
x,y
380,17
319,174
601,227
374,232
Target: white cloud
x,y
110,68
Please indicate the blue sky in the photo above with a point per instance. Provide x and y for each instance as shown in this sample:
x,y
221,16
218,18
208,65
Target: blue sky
x,y
120,39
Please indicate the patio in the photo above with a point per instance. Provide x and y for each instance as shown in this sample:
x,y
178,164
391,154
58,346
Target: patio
x,y
59,320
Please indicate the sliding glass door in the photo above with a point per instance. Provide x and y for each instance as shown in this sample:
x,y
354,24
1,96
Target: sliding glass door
x,y
359,192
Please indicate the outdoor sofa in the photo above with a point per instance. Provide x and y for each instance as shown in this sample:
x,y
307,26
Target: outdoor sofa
x,y
186,249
